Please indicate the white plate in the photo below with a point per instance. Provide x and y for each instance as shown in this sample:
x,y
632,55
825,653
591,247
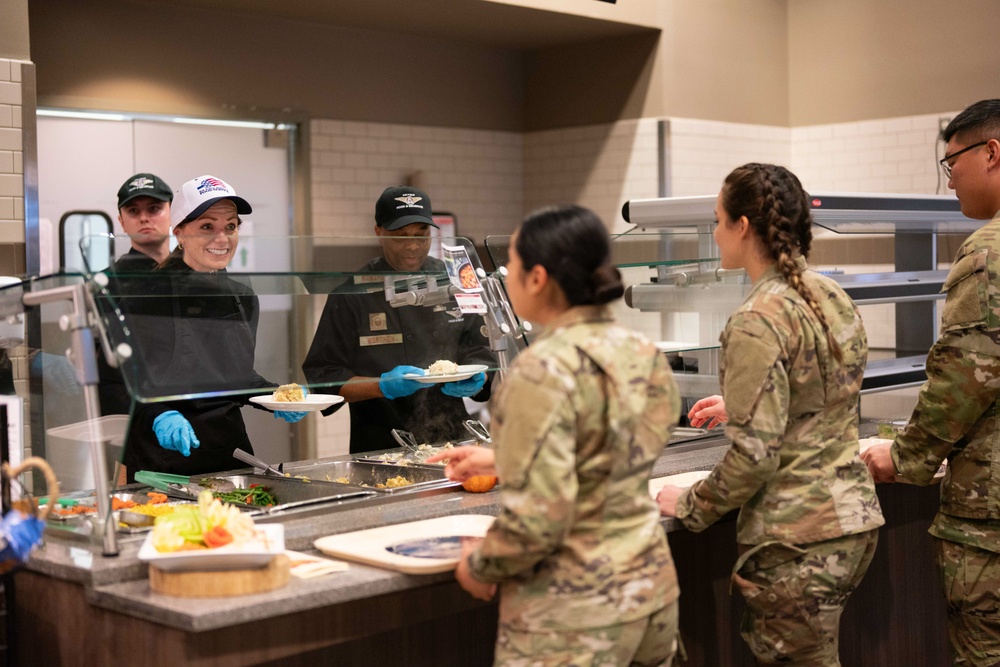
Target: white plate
x,y
371,546
464,373
683,480
313,402
255,553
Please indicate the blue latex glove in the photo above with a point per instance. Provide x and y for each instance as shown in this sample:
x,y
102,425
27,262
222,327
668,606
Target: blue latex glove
x,y
174,432
465,388
18,536
290,416
394,385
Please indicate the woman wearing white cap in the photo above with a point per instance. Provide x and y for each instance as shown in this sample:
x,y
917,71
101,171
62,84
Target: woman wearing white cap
x,y
195,331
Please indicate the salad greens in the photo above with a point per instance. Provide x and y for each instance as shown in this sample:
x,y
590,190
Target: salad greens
x,y
188,525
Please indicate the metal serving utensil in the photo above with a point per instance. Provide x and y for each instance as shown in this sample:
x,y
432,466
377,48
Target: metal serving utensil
x,y
247,457
405,439
478,431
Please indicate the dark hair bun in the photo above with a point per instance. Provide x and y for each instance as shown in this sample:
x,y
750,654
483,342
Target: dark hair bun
x,y
607,284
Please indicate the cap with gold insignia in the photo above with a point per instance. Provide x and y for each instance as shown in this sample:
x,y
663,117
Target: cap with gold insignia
x,y
402,206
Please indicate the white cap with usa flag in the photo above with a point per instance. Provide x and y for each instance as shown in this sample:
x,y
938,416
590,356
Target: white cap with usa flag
x,y
197,195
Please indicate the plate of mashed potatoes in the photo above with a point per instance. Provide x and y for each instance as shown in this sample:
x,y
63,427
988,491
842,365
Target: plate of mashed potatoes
x,y
293,398
447,371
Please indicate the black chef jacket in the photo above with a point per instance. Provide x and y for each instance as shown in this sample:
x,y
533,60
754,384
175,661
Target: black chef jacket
x,y
191,332
361,335
111,391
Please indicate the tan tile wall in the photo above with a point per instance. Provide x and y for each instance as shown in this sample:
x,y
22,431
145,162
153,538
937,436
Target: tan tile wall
x,y
12,208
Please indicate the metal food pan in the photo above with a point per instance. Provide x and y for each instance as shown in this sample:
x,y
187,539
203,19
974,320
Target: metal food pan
x,y
89,500
404,457
290,492
368,475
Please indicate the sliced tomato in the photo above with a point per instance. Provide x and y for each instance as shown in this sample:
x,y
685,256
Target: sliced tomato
x,y
217,537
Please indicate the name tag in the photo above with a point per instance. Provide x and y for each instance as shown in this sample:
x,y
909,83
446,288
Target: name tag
x,y
385,339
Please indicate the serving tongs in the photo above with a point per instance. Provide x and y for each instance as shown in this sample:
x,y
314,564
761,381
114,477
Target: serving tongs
x,y
405,439
247,457
478,431
180,486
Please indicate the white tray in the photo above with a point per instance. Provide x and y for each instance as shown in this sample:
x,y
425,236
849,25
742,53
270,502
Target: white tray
x,y
255,553
370,546
683,480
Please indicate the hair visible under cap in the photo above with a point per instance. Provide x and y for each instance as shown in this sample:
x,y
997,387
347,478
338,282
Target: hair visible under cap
x,y
978,122
772,199
573,246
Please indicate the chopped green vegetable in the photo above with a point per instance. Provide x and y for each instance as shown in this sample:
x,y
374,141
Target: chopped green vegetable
x,y
258,496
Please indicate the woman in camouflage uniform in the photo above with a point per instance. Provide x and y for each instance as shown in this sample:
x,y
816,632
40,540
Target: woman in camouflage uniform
x,y
583,566
793,356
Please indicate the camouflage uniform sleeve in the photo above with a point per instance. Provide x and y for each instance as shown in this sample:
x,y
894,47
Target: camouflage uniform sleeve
x,y
961,384
756,395
535,458
963,372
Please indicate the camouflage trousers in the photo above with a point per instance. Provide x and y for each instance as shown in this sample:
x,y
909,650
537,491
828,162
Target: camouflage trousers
x,y
647,642
971,578
795,596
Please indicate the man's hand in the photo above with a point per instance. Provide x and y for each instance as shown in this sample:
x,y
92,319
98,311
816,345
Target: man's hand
x,y
472,586
879,462
465,462
667,499
711,409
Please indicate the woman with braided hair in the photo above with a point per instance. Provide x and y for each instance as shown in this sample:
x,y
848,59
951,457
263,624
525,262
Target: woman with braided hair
x,y
792,360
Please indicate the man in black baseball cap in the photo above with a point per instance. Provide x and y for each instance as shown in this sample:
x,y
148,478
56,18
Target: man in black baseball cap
x,y
144,213
370,352
402,223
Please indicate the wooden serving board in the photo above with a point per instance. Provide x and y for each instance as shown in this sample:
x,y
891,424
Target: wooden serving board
x,y
221,584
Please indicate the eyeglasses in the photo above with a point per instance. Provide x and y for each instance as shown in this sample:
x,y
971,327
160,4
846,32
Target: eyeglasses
x,y
944,161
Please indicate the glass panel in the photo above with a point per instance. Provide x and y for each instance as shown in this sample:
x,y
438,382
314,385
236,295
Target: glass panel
x,y
187,338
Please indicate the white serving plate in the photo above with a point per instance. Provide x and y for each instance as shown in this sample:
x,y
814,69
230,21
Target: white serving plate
x,y
313,402
370,546
255,553
683,480
465,371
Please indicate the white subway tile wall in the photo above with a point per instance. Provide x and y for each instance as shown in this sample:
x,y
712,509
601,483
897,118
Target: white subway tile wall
x,y
492,179
477,175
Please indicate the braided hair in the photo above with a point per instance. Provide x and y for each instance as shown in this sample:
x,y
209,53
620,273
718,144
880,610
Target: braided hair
x,y
772,199
573,245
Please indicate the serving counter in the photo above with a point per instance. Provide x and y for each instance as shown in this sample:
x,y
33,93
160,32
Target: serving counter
x,y
75,607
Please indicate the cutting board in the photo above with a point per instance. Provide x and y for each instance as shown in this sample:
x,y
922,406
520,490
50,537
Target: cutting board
x,y
374,545
223,583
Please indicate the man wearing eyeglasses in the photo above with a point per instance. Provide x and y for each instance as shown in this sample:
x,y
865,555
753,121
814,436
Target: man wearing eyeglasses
x,y
957,416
